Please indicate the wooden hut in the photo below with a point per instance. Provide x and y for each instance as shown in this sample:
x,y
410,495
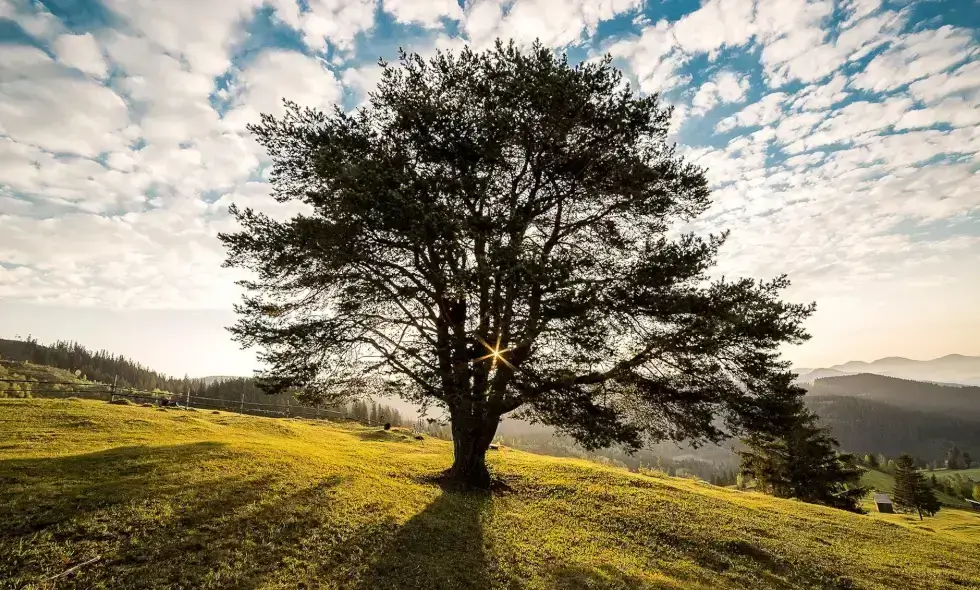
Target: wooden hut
x,y
884,503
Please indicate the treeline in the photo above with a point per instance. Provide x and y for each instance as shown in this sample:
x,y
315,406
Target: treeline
x,y
101,366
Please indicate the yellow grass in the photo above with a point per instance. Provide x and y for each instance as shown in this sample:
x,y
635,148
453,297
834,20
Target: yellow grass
x,y
178,499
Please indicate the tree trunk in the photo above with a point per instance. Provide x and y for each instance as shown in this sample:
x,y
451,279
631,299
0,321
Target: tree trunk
x,y
471,439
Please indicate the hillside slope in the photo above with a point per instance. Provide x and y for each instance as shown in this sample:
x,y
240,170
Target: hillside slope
x,y
171,498
959,401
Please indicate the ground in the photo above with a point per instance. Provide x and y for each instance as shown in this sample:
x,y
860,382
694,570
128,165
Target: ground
x,y
181,499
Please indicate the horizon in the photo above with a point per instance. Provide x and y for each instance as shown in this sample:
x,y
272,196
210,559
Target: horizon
x,y
840,139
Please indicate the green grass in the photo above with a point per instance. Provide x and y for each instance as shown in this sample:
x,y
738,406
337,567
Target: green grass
x,y
886,483
973,473
176,499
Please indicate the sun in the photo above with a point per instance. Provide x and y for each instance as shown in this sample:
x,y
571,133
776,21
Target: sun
x,y
495,352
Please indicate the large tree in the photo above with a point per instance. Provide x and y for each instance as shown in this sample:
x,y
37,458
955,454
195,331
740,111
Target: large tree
x,y
500,232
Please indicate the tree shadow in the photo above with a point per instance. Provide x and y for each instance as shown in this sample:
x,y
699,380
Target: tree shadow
x,y
440,548
134,508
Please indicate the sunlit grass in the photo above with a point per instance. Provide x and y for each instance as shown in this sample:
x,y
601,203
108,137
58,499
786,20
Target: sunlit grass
x,y
173,499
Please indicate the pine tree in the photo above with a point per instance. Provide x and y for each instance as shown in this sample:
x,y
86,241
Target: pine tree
x,y
967,460
871,460
802,462
494,232
911,492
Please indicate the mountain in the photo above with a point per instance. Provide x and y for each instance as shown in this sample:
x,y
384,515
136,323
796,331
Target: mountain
x,y
953,400
952,368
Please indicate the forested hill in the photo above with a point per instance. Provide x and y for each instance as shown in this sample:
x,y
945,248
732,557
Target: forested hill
x,y
868,426
954,400
101,366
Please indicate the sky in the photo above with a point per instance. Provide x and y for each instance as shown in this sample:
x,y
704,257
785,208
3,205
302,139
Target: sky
x,y
841,138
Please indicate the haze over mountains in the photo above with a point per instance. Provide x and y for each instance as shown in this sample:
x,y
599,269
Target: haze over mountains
x,y
953,368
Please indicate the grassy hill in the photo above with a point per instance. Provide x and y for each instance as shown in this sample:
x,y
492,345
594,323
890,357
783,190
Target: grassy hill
x,y
168,499
886,483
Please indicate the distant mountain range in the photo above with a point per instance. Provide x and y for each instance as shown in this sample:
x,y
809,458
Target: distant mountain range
x,y
953,369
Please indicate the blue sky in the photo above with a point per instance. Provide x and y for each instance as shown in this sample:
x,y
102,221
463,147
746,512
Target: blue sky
x,y
842,140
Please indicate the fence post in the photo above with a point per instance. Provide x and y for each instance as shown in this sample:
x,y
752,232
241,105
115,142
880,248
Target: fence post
x,y
187,403
112,392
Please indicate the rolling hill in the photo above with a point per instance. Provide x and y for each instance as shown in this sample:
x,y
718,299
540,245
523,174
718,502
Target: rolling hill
x,y
958,401
149,498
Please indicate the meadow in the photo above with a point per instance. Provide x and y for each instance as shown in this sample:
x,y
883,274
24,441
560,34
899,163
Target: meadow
x,y
154,498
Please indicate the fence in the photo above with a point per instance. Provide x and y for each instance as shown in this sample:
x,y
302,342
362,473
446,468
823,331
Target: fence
x,y
100,391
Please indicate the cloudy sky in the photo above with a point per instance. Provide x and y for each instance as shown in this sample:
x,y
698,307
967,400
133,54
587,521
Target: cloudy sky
x,y
842,139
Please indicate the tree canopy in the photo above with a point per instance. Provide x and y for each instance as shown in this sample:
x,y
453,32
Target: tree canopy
x,y
800,460
500,232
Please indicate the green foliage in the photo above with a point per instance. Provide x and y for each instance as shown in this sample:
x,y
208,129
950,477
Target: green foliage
x,y
801,461
911,492
976,492
177,500
507,201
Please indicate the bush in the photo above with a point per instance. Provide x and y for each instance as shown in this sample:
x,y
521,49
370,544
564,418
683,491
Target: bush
x,y
121,401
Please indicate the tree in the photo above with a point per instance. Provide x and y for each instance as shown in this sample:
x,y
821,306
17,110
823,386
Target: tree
x,y
490,235
976,492
871,460
911,492
933,481
802,462
967,460
954,458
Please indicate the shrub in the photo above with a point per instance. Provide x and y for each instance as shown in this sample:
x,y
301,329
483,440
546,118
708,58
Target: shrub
x,y
121,401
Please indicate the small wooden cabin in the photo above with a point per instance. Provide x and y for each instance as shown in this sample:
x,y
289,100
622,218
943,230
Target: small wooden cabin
x,y
884,503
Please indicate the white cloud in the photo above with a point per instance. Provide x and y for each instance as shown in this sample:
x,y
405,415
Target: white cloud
x,y
726,87
322,21
45,105
766,110
555,22
716,24
916,56
427,13
81,52
277,74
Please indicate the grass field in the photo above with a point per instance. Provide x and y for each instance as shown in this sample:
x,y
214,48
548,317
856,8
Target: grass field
x,y
886,483
973,473
178,499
